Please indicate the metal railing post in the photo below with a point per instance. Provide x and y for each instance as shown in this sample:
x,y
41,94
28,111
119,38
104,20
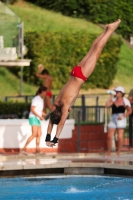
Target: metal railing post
x,y
130,130
83,108
6,98
78,132
97,101
97,110
26,99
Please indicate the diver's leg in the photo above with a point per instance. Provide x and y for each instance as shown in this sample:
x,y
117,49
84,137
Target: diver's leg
x,y
88,64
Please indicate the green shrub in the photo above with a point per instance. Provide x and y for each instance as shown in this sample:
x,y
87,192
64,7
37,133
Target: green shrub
x,y
14,108
61,52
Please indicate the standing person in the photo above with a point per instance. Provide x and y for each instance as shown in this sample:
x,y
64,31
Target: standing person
x,y
44,74
78,76
35,116
118,118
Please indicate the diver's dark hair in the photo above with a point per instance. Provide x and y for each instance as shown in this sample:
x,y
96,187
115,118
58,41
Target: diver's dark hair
x,y
55,116
41,89
45,71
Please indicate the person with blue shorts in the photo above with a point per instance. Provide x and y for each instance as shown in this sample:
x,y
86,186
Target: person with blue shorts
x,y
35,116
119,105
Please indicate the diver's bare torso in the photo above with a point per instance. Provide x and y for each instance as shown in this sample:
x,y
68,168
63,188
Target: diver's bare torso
x,y
48,82
69,92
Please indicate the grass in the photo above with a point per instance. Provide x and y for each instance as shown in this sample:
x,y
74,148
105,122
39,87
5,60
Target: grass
x,y
10,85
124,74
8,24
36,18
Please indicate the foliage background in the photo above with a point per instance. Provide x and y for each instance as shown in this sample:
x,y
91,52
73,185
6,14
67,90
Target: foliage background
x,y
97,11
59,53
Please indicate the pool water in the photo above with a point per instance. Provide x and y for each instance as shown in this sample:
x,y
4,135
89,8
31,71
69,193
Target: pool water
x,y
67,188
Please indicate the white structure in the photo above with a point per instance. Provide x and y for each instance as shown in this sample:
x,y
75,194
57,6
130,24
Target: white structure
x,y
19,63
14,133
1,42
8,54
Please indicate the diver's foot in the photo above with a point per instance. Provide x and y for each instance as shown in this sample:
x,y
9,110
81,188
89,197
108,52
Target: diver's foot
x,y
113,25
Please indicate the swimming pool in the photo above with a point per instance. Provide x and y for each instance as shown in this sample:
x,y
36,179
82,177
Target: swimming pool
x,y
67,187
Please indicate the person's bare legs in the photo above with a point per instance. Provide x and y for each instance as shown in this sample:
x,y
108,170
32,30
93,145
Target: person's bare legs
x,y
39,133
88,64
34,134
92,47
98,38
111,132
120,140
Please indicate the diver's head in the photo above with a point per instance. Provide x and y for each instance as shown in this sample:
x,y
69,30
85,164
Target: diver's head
x,y
55,116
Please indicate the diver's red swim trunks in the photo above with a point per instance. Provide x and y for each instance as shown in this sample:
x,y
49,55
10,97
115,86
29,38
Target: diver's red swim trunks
x,y
49,93
76,71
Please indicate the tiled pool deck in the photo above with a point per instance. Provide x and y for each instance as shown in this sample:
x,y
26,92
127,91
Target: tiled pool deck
x,y
72,163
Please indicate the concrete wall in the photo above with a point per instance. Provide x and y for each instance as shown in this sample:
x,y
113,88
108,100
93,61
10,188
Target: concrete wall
x,y
14,133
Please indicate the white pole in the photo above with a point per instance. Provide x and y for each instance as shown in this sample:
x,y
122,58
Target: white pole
x,y
21,44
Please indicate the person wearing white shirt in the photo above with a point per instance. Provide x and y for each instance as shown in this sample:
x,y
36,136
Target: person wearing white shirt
x,y
35,116
119,105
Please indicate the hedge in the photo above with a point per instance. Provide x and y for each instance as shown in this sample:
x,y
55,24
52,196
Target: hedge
x,y
14,108
59,53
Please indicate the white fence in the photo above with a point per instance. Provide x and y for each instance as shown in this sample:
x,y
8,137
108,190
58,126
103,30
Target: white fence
x,y
14,134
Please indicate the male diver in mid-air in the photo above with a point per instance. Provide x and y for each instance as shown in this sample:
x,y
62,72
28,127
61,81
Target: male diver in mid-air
x,y
78,76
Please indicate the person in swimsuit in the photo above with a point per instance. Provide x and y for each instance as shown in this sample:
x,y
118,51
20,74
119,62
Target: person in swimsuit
x,y
79,74
44,74
118,118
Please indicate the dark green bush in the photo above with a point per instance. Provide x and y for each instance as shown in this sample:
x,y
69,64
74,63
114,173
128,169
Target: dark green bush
x,y
14,108
61,52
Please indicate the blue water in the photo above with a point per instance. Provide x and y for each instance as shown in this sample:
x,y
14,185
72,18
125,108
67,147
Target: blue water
x,y
67,188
